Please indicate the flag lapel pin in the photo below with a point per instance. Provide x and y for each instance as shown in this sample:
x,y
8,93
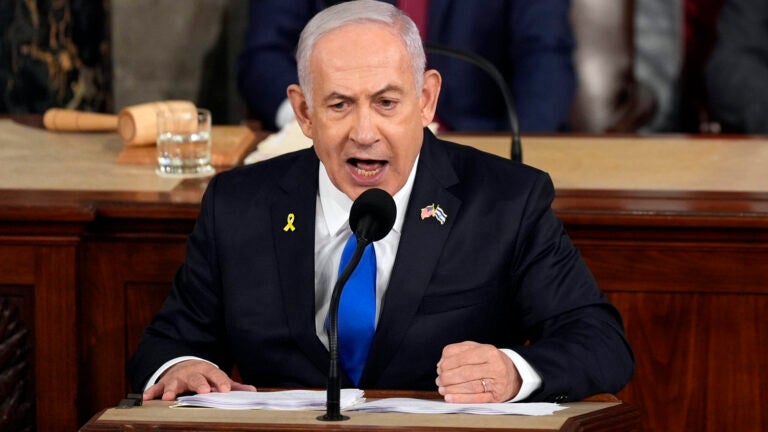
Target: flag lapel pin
x,y
434,211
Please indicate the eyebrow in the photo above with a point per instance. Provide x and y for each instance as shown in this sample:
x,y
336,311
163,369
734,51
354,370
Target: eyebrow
x,y
388,88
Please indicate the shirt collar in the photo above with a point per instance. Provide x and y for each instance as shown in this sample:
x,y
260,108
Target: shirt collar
x,y
336,205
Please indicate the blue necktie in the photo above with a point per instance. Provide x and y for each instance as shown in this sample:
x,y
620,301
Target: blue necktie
x,y
357,310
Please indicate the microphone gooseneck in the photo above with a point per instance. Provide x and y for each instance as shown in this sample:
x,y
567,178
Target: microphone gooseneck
x,y
371,218
493,72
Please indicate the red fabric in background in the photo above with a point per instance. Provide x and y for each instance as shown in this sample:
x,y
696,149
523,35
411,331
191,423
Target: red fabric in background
x,y
417,10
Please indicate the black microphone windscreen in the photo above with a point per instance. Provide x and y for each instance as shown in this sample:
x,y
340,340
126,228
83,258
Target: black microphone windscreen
x,y
372,215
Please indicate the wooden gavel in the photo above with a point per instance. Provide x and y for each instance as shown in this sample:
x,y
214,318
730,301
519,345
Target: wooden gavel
x,y
136,124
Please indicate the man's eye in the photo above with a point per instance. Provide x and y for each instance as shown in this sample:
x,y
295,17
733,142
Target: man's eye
x,y
387,103
338,106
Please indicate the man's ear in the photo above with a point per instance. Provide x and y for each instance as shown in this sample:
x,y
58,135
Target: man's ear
x,y
300,109
430,91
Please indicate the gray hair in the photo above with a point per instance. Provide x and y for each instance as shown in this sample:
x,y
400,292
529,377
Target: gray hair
x,y
354,12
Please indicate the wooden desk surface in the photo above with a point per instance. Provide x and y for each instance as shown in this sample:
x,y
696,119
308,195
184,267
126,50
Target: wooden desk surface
x,y
156,415
660,163
34,158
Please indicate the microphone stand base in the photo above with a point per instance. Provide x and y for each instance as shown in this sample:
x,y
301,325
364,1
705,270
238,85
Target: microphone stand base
x,y
332,417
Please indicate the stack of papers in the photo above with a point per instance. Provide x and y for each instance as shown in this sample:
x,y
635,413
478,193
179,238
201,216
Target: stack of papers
x,y
279,400
354,400
422,406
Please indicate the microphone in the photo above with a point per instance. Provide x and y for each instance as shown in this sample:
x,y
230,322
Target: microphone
x,y
372,215
493,72
371,218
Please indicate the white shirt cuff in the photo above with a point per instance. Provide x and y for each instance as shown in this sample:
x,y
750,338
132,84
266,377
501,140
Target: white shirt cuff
x,y
531,379
284,114
167,365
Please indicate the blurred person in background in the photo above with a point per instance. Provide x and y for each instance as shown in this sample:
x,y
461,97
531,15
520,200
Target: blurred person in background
x,y
529,42
737,72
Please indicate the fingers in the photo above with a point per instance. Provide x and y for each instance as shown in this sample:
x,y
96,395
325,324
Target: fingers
x,y
242,387
195,382
462,354
153,392
193,376
472,391
469,372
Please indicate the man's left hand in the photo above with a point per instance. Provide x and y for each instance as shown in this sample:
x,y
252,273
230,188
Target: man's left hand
x,y
469,372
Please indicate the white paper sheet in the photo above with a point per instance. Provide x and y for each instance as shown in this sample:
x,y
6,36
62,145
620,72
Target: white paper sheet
x,y
279,400
421,406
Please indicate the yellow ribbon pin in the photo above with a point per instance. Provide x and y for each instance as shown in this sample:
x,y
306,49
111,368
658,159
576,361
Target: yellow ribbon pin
x,y
289,225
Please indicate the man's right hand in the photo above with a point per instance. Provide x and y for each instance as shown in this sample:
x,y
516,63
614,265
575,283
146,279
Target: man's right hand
x,y
194,376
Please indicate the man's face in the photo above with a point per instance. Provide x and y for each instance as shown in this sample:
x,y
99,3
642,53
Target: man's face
x,y
367,116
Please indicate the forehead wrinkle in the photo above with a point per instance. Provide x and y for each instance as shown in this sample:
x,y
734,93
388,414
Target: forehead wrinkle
x,y
336,95
346,83
387,89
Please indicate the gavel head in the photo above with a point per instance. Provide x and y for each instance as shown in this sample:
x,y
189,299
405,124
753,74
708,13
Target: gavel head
x,y
137,124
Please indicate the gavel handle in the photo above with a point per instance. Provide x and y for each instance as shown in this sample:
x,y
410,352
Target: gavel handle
x,y
58,119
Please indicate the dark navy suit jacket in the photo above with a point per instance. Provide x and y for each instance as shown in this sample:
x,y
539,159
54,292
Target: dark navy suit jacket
x,y
501,270
530,42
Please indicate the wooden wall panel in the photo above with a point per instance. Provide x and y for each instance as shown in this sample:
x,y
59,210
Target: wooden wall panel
x,y
678,267
736,362
39,276
17,264
56,368
124,282
17,386
142,301
700,359
694,302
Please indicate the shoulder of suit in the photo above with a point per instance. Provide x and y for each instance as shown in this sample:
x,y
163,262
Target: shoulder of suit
x,y
277,164
269,172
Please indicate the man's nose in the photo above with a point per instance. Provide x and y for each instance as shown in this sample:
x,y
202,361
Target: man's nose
x,y
364,130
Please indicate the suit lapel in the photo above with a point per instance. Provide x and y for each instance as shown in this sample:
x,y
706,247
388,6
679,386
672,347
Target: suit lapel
x,y
295,252
420,247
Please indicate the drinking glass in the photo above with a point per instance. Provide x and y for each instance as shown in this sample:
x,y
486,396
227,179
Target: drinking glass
x,y
184,142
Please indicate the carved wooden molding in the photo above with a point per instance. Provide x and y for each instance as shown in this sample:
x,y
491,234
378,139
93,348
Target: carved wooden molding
x,y
16,409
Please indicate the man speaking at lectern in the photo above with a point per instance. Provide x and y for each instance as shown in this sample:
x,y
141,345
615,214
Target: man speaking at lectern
x,y
479,293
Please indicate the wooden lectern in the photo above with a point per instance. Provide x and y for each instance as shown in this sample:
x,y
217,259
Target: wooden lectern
x,y
610,416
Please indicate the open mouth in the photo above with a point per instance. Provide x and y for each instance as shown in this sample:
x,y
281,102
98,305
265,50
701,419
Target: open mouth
x,y
367,167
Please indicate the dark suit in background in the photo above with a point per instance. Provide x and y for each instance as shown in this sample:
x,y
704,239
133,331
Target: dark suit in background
x,y
501,271
737,73
530,42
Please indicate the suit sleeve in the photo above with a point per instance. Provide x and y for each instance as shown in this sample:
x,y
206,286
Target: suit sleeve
x,y
190,322
266,66
576,338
